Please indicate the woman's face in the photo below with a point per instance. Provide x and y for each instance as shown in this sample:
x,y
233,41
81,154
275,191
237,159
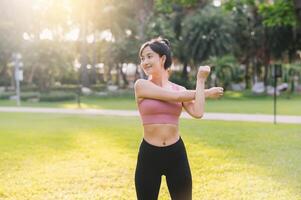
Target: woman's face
x,y
151,62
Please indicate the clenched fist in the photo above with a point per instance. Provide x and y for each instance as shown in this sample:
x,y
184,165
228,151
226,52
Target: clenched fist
x,y
203,72
215,92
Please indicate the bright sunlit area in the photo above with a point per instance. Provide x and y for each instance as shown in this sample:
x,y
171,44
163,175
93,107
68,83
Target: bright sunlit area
x,y
102,99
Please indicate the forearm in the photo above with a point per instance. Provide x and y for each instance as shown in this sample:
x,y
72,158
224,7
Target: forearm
x,y
186,95
206,92
189,95
199,104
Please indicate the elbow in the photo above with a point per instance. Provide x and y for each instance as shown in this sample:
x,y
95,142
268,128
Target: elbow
x,y
198,116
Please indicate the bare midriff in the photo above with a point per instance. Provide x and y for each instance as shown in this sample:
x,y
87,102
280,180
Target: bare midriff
x,y
161,134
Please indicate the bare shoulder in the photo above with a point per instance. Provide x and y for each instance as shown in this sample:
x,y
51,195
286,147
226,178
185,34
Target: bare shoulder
x,y
180,87
140,83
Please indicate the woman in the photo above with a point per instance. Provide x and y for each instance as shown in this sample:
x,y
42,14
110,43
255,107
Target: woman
x,y
160,102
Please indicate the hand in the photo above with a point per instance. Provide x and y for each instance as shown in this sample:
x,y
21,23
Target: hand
x,y
215,92
203,72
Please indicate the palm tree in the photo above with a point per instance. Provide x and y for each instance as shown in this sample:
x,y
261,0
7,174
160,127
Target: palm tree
x,y
206,33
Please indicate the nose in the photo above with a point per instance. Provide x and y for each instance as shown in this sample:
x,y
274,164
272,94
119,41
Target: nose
x,y
144,62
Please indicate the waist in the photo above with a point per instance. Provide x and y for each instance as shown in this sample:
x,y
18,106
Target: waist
x,y
150,147
161,134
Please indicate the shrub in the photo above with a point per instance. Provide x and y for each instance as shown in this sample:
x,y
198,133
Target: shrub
x,y
116,94
29,95
6,95
176,77
29,88
65,88
98,87
57,96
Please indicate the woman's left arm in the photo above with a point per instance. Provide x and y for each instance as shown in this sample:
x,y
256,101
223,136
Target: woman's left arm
x,y
212,93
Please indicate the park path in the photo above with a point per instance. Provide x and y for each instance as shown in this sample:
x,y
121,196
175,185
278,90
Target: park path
x,y
208,116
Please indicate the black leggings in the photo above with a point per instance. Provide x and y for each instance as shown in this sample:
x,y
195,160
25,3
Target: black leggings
x,y
171,161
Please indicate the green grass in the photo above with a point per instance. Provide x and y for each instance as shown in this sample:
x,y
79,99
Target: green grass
x,y
49,156
233,102
86,102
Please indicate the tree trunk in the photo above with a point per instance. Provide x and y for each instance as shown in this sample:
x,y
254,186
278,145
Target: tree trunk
x,y
297,4
83,45
247,76
144,9
31,74
185,72
94,79
266,60
108,75
123,76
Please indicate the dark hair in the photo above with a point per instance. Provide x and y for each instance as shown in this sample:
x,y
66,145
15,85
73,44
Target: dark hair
x,y
160,46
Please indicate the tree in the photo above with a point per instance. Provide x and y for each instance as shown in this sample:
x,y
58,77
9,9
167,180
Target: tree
x,y
205,34
173,12
281,21
13,22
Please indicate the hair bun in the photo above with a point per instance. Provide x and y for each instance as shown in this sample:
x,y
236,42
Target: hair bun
x,y
166,42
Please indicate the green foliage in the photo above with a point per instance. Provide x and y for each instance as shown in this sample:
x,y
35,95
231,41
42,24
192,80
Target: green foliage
x,y
250,29
163,6
98,87
167,5
6,80
290,72
280,13
176,77
24,96
28,88
29,95
207,33
122,51
65,88
232,4
244,27
279,39
119,94
47,63
57,96
160,25
226,70
6,95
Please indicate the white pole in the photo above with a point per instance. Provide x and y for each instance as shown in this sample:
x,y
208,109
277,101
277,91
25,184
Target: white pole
x,y
17,58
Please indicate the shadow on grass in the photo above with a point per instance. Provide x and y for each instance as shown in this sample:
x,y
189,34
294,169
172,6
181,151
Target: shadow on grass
x,y
274,149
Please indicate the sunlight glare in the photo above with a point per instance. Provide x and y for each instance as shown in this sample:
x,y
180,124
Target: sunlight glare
x,y
217,3
90,38
72,35
46,34
107,36
26,36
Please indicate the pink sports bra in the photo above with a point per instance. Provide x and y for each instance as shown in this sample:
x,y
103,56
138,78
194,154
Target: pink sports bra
x,y
153,111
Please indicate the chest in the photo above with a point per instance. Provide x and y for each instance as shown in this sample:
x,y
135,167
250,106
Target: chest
x,y
153,106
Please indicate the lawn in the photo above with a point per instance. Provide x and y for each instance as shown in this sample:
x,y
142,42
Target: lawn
x,y
232,102
51,156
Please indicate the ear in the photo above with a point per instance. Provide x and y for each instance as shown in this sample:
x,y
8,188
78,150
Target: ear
x,y
163,59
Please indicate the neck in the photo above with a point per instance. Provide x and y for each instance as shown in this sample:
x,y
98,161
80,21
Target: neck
x,y
160,79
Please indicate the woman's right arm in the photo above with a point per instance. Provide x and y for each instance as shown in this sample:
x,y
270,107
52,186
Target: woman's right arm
x,y
196,108
147,89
